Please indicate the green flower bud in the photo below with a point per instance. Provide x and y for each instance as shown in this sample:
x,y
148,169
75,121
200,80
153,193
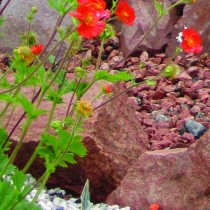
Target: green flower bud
x,y
34,9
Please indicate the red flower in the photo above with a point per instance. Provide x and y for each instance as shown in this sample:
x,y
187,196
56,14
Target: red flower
x,y
192,41
106,89
90,24
37,48
154,206
125,13
98,6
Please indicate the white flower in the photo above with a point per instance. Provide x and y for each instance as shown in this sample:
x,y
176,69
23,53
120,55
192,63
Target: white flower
x,y
179,37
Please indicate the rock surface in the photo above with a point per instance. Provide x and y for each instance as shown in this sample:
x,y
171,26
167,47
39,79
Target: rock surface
x,y
16,23
195,16
146,15
176,179
112,136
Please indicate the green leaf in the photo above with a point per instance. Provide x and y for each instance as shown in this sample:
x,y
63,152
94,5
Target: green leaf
x,y
3,161
142,64
8,195
51,58
46,151
54,96
80,88
64,138
26,104
4,84
41,77
32,81
77,147
25,205
3,138
69,157
54,4
1,20
159,7
51,140
63,164
151,82
18,180
38,112
120,76
7,97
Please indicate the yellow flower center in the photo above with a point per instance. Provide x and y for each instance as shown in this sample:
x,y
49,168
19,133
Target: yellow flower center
x,y
190,42
89,20
84,107
125,14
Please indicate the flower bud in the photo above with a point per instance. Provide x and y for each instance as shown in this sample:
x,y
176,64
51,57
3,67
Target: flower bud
x,y
25,54
34,9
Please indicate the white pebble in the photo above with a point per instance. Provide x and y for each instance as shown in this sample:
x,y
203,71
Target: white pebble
x,y
72,207
56,200
125,208
113,207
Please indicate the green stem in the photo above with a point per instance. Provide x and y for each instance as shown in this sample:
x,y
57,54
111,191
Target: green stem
x,y
14,153
36,69
69,143
31,160
41,187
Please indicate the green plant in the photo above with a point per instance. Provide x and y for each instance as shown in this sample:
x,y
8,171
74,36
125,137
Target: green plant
x,y
91,19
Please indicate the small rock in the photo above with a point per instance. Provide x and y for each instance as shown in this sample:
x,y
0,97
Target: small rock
x,y
195,128
160,118
193,71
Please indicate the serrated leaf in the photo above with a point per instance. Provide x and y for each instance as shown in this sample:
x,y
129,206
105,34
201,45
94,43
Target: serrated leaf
x,y
8,195
3,161
38,112
159,7
3,138
4,84
63,164
80,88
32,81
54,4
46,151
25,205
7,97
64,138
51,58
18,180
51,140
54,96
77,147
120,76
26,104
69,157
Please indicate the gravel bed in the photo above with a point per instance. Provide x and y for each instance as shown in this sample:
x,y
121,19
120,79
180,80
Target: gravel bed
x,y
56,199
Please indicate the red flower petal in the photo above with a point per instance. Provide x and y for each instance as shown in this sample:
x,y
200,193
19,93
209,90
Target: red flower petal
x,y
88,31
125,13
154,206
37,48
191,41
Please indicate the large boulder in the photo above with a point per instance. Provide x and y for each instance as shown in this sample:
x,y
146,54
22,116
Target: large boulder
x,y
146,15
16,23
113,137
177,179
196,16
